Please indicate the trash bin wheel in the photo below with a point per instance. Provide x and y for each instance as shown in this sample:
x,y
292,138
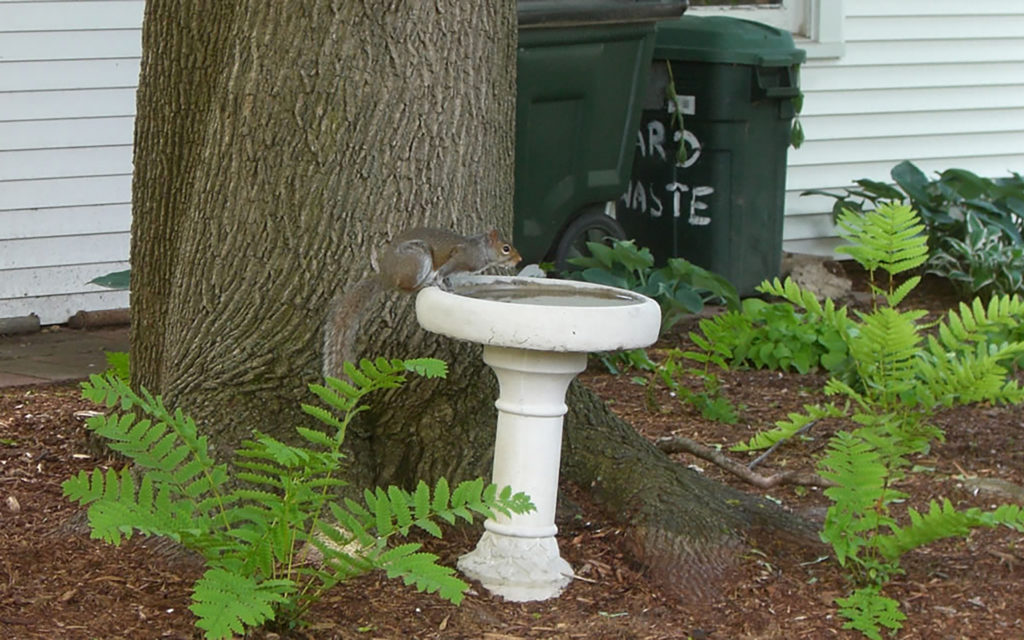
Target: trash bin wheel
x,y
590,226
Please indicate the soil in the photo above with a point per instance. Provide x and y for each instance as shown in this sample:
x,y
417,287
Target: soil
x,y
57,583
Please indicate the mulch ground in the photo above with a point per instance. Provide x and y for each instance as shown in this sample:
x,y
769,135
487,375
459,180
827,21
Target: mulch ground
x,y
57,583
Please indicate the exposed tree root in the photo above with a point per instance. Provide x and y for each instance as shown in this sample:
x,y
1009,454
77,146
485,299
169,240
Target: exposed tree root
x,y
686,529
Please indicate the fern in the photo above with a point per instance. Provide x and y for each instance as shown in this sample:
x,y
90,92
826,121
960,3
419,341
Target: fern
x,y
785,429
866,609
944,521
884,350
890,238
254,537
861,495
225,602
903,374
422,571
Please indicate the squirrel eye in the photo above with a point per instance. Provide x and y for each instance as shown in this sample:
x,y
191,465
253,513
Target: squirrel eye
x,y
505,248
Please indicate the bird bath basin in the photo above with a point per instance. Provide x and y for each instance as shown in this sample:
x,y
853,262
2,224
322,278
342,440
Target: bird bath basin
x,y
536,335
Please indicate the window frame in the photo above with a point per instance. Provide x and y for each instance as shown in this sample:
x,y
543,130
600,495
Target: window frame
x,y
816,25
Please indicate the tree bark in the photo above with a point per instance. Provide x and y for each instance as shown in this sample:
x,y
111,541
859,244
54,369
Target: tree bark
x,y
277,145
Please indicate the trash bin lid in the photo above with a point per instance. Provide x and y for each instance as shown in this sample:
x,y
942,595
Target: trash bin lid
x,y
548,13
727,40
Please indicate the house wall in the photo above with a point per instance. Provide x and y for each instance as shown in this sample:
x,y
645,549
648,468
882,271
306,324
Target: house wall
x,y
937,82
68,72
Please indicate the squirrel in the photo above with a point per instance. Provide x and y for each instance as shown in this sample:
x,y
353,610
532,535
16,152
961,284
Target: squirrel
x,y
416,258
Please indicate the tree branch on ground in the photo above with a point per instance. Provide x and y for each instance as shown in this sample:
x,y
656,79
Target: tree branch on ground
x,y
680,444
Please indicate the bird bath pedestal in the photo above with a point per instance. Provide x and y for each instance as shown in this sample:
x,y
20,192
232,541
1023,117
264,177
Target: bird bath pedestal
x,y
536,335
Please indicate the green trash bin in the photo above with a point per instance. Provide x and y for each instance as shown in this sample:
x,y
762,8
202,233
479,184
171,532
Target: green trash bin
x,y
583,68
721,206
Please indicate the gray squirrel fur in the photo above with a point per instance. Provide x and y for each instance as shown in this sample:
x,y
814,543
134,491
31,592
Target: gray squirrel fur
x,y
415,259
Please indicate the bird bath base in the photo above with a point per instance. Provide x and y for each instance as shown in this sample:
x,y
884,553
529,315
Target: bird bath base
x,y
517,557
536,336
517,569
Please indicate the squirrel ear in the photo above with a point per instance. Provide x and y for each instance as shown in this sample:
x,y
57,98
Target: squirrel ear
x,y
493,235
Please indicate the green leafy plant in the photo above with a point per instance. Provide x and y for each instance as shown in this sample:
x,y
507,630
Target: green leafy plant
x,y
796,131
680,287
618,362
974,224
273,534
767,335
119,364
985,262
905,373
117,280
676,121
709,400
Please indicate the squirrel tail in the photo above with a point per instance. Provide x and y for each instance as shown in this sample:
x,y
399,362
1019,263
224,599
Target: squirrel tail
x,y
345,315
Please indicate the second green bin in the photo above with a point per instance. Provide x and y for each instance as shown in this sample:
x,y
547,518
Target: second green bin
x,y
720,204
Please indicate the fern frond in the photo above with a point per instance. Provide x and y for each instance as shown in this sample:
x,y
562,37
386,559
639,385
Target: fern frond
x,y
784,429
1008,515
117,507
970,323
890,237
341,565
369,376
225,602
400,502
356,520
885,351
970,375
272,457
944,521
899,293
860,495
856,467
323,415
316,437
940,521
422,571
835,387
338,393
442,493
427,367
255,531
356,375
86,487
168,445
391,511
790,291
867,610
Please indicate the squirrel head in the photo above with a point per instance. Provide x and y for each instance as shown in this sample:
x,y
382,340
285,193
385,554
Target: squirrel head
x,y
504,253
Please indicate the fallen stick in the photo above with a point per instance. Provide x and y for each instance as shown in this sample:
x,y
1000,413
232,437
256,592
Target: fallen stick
x,y
677,444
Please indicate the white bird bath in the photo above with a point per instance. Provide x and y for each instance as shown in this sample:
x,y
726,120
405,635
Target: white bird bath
x,y
536,335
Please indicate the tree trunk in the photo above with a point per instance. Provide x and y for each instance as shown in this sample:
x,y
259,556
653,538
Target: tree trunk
x,y
277,145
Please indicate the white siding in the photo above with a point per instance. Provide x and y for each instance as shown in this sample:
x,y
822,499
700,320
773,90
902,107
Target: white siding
x,y
68,72
937,82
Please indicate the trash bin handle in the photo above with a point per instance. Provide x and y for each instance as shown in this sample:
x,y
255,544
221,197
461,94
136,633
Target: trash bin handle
x,y
782,92
779,60
790,88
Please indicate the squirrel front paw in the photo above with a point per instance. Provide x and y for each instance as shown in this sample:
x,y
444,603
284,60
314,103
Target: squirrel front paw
x,y
445,284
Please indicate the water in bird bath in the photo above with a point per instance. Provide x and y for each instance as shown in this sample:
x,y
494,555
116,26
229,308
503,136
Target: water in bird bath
x,y
518,292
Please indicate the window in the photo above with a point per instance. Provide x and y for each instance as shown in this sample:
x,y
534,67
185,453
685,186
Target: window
x,y
816,25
